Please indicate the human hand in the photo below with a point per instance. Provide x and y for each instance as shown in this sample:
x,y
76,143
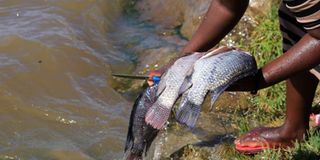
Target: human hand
x,y
160,71
150,80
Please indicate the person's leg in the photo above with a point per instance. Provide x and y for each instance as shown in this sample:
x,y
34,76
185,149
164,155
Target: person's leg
x,y
300,92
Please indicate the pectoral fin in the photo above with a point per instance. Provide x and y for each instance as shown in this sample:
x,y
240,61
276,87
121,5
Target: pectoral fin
x,y
185,85
216,93
162,84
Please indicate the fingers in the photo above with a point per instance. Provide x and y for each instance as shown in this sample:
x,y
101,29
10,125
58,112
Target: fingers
x,y
150,83
154,73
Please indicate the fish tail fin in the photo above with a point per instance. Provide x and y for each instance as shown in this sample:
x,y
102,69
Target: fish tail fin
x,y
131,156
149,139
148,145
128,146
188,113
157,115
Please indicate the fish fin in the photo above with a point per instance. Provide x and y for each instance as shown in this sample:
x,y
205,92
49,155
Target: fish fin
x,y
216,51
185,85
157,115
216,93
150,139
162,84
161,88
148,144
151,94
131,156
200,54
188,113
190,71
130,137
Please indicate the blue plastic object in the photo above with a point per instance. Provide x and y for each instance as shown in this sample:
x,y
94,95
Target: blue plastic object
x,y
156,79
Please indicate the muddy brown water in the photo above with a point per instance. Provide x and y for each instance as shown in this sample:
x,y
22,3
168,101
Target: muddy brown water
x,y
55,100
56,94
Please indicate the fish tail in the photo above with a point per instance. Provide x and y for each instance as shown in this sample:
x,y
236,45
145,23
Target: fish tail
x,y
150,139
132,156
188,113
157,115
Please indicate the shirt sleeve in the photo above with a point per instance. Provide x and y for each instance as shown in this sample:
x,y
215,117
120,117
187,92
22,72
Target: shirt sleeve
x,y
307,12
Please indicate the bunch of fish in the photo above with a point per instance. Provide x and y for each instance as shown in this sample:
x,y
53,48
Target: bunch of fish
x,y
212,74
168,91
192,77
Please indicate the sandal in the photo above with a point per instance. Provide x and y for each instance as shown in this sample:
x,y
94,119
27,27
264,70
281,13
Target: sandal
x,y
257,140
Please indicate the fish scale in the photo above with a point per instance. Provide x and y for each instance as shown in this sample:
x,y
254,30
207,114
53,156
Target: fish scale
x,y
169,87
213,74
140,135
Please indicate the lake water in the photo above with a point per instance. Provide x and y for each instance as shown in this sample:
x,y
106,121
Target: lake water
x,y
57,96
56,58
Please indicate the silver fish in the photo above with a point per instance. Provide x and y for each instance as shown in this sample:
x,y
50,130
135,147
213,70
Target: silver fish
x,y
213,73
140,135
168,91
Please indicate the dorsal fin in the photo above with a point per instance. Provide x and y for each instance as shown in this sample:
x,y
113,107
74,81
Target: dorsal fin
x,y
185,85
217,51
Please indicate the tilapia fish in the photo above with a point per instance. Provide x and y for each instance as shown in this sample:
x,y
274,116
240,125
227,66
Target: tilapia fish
x,y
168,90
140,135
213,73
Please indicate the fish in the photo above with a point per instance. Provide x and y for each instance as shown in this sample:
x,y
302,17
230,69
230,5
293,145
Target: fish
x,y
212,73
140,135
169,89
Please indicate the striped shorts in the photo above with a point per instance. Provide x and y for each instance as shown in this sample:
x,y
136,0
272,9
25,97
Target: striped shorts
x,y
296,17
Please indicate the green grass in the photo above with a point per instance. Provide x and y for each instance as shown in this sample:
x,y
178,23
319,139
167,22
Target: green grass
x,y
265,45
268,106
308,150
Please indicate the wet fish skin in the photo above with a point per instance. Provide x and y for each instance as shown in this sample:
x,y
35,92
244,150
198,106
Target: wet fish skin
x,y
215,74
168,90
140,135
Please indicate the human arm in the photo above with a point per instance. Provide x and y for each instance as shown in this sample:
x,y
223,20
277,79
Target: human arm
x,y
219,20
303,56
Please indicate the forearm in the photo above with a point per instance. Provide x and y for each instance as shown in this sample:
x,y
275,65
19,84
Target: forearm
x,y
220,18
301,57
